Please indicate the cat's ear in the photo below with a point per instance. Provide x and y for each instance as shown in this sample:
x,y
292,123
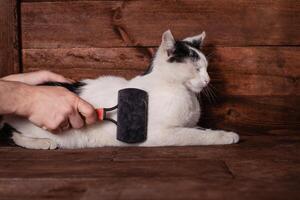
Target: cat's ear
x,y
197,40
168,42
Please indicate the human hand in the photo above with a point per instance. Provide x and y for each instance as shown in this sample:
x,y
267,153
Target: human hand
x,y
55,108
35,78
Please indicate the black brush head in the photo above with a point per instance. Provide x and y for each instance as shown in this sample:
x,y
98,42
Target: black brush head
x,y
132,115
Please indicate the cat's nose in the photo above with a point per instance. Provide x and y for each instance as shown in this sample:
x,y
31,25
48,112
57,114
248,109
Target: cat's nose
x,y
206,81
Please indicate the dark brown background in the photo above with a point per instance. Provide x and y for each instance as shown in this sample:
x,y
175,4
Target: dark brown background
x,y
255,67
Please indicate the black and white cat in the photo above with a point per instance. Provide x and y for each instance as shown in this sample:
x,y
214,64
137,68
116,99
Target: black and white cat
x,y
177,74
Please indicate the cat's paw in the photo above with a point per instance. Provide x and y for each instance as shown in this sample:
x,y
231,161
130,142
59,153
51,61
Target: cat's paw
x,y
46,144
53,145
225,137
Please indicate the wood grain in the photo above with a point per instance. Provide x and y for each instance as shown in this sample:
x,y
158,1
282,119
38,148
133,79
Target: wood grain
x,y
153,188
87,63
9,43
94,23
252,114
260,167
97,169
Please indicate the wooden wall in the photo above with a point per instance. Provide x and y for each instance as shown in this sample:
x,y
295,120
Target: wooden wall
x,y
9,37
255,62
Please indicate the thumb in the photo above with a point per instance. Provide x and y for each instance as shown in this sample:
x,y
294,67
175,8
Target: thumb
x,y
87,111
50,76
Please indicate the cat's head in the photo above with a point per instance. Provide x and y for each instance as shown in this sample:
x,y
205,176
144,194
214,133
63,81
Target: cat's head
x,y
182,61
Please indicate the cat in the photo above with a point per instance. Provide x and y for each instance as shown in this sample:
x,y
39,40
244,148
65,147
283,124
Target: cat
x,y
178,73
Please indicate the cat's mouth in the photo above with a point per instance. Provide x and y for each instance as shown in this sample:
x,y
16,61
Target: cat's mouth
x,y
196,88
195,85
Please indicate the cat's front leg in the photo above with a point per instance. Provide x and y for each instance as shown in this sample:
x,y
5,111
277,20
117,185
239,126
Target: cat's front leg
x,y
179,136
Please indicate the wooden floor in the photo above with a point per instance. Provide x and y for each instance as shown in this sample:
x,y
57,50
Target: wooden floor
x,y
259,167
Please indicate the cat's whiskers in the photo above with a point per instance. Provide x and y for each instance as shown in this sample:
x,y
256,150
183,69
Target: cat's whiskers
x,y
212,91
206,94
209,93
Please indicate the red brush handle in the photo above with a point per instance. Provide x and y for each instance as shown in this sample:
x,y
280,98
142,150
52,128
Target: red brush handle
x,y
100,113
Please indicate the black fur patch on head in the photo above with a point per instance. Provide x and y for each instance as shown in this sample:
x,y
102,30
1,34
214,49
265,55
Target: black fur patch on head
x,y
196,44
73,87
182,51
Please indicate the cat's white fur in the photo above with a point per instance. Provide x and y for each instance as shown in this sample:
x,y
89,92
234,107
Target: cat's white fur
x,y
173,108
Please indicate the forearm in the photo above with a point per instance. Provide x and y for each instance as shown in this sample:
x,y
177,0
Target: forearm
x,y
12,97
44,106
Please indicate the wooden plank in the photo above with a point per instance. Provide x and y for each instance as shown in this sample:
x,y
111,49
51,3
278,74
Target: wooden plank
x,y
253,114
260,167
227,23
32,1
264,71
256,71
112,188
151,188
9,44
271,169
251,84
78,155
97,169
87,63
91,58
61,24
268,61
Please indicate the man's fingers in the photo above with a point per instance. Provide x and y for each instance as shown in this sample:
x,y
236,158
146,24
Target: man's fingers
x,y
65,125
87,111
75,120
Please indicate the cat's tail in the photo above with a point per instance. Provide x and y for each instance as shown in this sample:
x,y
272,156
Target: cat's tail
x,y
5,131
1,122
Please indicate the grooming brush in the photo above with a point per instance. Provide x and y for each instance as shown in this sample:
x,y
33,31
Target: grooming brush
x,y
132,115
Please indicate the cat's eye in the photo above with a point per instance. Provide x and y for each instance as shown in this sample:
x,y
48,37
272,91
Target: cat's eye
x,y
198,69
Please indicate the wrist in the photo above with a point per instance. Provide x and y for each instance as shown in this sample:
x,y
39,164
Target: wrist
x,y
23,98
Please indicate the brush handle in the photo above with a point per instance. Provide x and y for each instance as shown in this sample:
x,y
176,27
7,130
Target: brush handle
x,y
101,113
